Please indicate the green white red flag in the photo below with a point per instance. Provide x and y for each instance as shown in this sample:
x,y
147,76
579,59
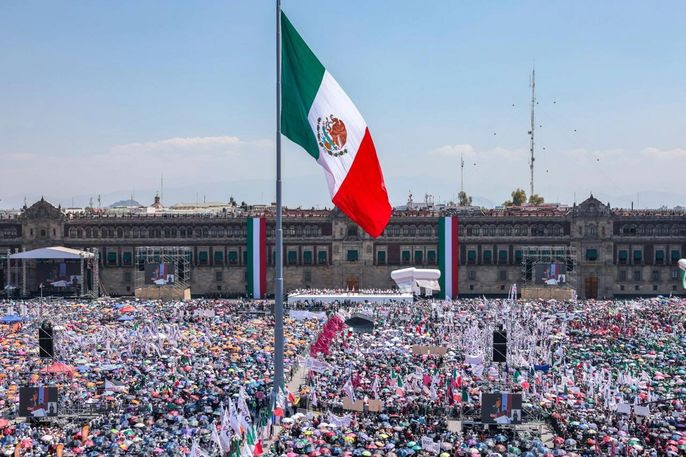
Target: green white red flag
x,y
448,256
257,257
319,116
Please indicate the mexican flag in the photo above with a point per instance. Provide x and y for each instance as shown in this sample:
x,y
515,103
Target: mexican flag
x,y
448,256
257,256
320,117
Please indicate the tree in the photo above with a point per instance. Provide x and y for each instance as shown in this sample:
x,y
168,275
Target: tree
x,y
464,199
518,198
535,200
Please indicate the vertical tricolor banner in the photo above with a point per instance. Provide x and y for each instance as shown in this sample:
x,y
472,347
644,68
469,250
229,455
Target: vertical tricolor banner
x,y
448,255
257,257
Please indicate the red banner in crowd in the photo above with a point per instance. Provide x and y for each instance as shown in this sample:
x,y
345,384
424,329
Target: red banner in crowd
x,y
333,326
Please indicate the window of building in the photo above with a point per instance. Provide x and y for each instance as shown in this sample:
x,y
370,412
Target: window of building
x,y
637,287
127,258
622,275
591,255
654,287
488,257
405,256
637,275
659,257
675,255
352,230
245,257
111,258
675,274
502,275
218,257
322,257
502,257
292,257
638,257
621,287
127,276
519,256
233,257
471,274
307,257
219,276
471,257
431,257
623,257
418,257
655,275
351,255
381,257
203,257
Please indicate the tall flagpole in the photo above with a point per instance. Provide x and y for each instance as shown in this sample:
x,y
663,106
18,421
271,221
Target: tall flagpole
x,y
278,270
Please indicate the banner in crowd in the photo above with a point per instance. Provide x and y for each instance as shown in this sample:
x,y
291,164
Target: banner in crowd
x,y
448,255
257,257
331,328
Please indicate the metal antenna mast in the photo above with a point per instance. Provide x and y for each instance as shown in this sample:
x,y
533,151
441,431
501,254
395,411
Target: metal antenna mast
x,y
461,174
531,132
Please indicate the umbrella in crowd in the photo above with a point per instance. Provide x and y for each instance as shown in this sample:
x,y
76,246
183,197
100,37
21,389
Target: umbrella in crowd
x,y
194,378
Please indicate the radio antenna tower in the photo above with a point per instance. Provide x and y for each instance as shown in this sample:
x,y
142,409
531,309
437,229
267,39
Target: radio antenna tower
x,y
461,174
531,132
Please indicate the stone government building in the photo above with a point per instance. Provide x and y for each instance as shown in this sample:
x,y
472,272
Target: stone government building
x,y
619,252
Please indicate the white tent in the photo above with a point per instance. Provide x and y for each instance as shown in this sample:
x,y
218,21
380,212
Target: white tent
x,y
415,279
57,252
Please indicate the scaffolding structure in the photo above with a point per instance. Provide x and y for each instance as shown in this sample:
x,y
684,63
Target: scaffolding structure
x,y
536,255
179,256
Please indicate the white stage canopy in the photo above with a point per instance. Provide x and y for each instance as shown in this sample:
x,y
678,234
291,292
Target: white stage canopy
x,y
352,297
57,252
414,279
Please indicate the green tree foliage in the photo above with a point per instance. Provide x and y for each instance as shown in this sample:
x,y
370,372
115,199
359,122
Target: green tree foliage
x,y
518,198
464,199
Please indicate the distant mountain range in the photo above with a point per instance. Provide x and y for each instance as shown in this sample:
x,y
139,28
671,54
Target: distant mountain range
x,y
124,203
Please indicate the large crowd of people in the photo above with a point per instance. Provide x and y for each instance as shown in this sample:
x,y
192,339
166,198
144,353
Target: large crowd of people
x,y
194,378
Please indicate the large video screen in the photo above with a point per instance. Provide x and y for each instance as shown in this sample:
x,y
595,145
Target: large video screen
x,y
550,274
59,274
38,401
501,408
159,273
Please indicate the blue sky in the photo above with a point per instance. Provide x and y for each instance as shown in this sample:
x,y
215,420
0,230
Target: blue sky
x,y
102,97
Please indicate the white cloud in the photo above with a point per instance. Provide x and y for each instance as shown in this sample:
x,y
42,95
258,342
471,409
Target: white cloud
x,y
674,153
180,144
454,150
468,151
182,160
194,162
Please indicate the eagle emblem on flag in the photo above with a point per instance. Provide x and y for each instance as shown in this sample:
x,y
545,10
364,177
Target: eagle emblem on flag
x,y
332,135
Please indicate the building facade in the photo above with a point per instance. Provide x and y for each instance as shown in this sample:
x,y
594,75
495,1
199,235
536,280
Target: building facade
x,y
619,252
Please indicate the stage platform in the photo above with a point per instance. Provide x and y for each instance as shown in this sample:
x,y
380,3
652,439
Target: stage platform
x,y
163,293
352,297
547,293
